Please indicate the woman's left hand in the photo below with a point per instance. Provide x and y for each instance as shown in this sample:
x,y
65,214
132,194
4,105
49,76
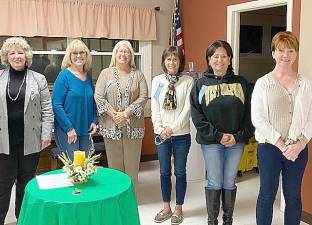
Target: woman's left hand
x,y
292,151
230,142
45,143
93,128
120,119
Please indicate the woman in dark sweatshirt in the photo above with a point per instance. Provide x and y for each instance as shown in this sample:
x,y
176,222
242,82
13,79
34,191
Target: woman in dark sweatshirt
x,y
220,109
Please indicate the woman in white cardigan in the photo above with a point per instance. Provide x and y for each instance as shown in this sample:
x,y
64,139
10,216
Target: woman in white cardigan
x,y
170,105
281,111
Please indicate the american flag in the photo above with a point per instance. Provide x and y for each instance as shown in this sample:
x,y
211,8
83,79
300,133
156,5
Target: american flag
x,y
176,35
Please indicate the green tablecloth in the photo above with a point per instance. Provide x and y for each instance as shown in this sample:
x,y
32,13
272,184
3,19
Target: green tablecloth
x,y
107,199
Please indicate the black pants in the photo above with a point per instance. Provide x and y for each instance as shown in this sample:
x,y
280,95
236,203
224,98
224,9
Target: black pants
x,y
15,168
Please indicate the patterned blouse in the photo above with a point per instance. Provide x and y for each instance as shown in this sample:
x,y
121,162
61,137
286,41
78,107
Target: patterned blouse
x,y
119,94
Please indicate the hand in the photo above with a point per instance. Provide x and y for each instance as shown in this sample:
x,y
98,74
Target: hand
x,y
120,119
281,145
93,128
71,136
112,112
225,138
166,133
45,143
293,150
230,140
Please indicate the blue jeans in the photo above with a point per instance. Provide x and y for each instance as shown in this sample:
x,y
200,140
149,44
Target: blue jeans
x,y
222,165
179,146
271,163
81,144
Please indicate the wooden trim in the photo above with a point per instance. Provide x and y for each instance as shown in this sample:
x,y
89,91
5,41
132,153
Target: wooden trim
x,y
306,217
145,158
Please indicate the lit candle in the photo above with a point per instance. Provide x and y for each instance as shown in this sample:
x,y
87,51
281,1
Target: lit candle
x,y
79,158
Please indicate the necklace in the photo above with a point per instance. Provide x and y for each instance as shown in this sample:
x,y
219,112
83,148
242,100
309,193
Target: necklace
x,y
19,90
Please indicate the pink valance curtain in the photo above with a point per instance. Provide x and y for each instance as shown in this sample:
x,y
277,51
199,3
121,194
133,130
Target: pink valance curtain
x,y
75,18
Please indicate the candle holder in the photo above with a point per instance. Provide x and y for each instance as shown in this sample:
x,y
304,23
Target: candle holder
x,y
79,174
81,168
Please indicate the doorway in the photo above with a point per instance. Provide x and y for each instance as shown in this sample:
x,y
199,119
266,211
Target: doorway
x,y
235,12
257,28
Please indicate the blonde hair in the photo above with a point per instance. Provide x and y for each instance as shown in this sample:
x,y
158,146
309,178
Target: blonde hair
x,y
15,42
285,39
117,46
77,46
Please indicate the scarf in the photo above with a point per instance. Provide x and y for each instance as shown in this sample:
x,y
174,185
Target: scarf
x,y
170,101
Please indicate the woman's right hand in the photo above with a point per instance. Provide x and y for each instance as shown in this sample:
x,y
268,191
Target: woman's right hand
x,y
281,145
71,136
166,133
112,112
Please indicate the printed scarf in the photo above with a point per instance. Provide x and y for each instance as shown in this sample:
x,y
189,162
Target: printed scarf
x,y
170,101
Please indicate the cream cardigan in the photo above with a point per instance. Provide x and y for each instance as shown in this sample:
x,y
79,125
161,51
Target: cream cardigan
x,y
179,119
301,123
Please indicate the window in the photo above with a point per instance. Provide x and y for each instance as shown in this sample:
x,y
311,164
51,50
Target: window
x,y
101,51
49,53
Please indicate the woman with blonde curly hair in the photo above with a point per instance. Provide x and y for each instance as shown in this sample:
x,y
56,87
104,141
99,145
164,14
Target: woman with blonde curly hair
x,y
26,121
73,102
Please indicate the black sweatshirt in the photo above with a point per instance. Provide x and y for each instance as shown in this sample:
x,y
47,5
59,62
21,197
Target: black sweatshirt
x,y
221,104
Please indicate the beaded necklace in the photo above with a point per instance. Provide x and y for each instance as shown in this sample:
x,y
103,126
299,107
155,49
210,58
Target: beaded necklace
x,y
19,90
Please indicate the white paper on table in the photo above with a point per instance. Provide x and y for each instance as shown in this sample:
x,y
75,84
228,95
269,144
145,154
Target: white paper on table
x,y
53,181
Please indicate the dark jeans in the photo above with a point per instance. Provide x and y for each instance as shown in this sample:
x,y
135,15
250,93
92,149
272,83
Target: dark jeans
x,y
15,168
271,163
179,146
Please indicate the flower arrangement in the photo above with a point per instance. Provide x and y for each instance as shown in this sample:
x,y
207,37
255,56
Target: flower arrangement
x,y
81,168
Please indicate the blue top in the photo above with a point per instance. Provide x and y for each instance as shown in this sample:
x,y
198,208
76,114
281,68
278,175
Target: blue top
x,y
73,103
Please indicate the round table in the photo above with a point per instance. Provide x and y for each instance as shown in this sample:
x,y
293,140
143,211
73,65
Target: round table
x,y
106,199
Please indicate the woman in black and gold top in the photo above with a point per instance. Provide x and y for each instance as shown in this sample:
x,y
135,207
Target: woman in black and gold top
x,y
220,109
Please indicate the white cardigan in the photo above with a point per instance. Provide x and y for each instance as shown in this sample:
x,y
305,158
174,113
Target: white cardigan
x,y
301,124
179,119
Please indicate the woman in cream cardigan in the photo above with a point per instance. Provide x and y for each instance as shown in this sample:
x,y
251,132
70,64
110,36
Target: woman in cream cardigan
x,y
281,111
121,95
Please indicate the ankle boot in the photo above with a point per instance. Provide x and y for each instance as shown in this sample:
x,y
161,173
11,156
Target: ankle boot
x,y
213,205
228,202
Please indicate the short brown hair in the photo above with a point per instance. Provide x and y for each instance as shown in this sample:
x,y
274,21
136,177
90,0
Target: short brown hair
x,y
285,39
175,51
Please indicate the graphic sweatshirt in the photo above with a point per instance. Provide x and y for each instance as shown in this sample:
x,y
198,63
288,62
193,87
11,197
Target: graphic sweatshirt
x,y
221,104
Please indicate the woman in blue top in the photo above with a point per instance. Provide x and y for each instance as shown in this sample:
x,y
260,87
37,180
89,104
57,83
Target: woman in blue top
x,y
73,101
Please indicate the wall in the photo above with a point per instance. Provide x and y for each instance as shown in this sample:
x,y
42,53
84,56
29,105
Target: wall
x,y
305,68
213,15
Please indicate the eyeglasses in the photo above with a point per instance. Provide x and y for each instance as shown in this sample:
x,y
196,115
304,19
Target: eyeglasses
x,y
125,52
80,53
